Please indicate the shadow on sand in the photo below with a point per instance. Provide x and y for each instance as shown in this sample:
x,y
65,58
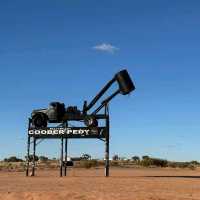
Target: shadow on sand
x,y
172,176
130,177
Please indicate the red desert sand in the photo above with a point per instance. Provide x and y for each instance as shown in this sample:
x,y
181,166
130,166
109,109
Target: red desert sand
x,y
90,184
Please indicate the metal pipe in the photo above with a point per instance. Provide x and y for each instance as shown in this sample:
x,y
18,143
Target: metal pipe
x,y
99,95
106,101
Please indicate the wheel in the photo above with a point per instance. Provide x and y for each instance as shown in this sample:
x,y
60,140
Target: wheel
x,y
39,120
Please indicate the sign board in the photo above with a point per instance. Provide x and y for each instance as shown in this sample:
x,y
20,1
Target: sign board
x,y
69,132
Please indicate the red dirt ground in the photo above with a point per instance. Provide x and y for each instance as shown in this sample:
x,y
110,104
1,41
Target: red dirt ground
x,y
90,184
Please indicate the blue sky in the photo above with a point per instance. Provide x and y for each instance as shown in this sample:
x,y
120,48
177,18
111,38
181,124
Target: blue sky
x,y
67,50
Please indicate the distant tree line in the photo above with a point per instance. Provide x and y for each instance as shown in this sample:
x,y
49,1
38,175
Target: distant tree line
x,y
86,161
13,159
148,161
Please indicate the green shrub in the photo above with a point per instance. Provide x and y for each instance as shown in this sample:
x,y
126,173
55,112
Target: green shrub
x,y
43,158
146,162
159,162
136,159
13,159
194,162
31,158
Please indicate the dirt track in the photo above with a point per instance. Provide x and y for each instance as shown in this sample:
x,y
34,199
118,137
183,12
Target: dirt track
x,y
123,184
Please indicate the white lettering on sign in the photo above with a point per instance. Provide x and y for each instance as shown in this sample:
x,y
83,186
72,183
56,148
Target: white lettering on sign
x,y
62,131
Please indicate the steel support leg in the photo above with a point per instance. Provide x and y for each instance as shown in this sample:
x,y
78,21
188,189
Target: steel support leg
x,y
66,156
28,156
33,162
61,158
107,164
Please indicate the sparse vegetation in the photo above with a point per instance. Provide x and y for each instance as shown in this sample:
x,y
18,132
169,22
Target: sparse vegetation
x,y
15,164
88,163
136,159
13,159
147,161
31,158
43,158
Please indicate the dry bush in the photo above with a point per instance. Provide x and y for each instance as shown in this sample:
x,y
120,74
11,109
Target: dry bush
x,y
114,163
13,166
88,163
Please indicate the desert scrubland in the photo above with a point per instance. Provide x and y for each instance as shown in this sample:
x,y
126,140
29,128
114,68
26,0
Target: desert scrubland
x,y
90,184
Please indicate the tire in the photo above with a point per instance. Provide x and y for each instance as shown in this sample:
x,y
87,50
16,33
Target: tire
x,y
39,120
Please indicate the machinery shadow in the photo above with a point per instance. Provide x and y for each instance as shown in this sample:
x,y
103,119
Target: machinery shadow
x,y
193,177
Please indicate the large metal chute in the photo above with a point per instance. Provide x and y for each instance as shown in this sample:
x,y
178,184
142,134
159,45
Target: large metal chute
x,y
125,86
125,83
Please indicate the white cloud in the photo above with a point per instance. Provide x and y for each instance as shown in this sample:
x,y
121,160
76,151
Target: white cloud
x,y
106,47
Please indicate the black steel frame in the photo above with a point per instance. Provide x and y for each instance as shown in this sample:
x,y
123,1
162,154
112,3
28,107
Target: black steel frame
x,y
32,139
125,87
